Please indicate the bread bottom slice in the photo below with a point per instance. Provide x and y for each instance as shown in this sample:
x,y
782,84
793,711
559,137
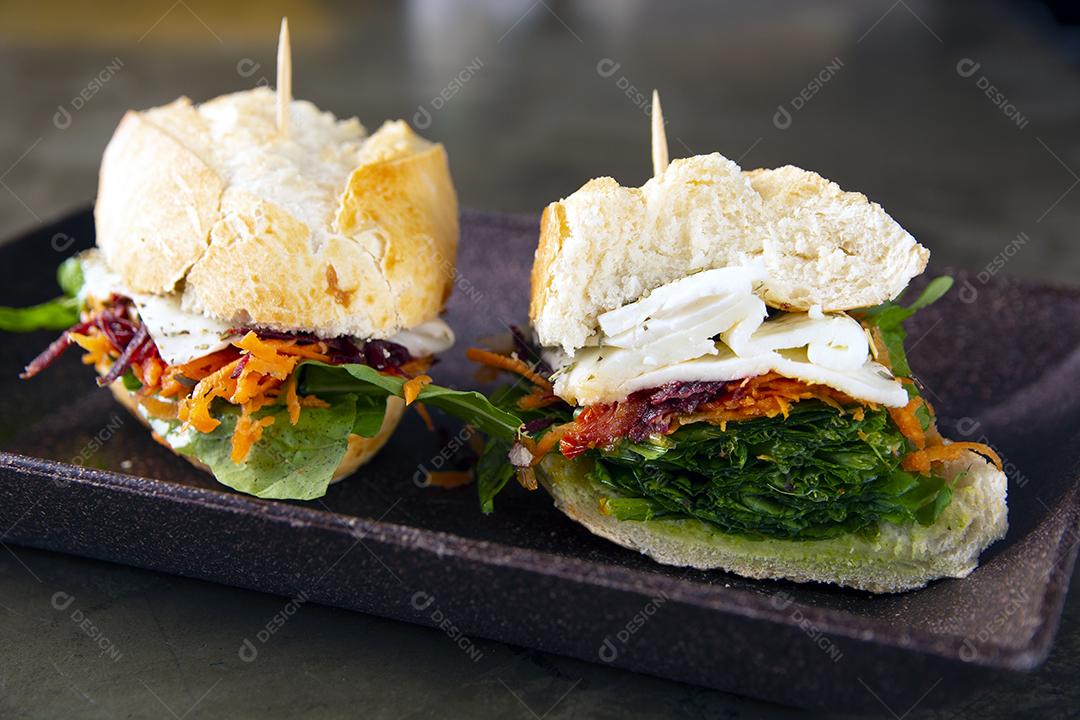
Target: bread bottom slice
x,y
361,449
900,558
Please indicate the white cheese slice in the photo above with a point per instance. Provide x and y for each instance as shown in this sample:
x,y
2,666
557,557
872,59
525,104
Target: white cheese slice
x,y
712,327
428,338
180,336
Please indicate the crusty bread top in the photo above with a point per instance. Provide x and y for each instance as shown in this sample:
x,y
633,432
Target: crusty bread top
x,y
607,245
326,230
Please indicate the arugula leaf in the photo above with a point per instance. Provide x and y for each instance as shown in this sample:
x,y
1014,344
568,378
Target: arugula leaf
x,y
293,462
889,319
493,471
469,406
58,314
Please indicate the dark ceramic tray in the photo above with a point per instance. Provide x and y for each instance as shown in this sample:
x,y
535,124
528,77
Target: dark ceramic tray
x,y
1000,358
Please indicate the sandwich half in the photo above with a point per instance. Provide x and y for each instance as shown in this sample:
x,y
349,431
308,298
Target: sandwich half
x,y
716,377
266,302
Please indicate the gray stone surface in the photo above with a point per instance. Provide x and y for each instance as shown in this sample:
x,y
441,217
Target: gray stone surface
x,y
546,96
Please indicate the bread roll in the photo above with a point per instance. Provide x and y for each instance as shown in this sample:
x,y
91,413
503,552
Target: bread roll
x,y
607,245
324,230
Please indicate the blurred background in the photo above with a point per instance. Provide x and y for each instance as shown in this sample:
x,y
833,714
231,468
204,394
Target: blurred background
x,y
961,118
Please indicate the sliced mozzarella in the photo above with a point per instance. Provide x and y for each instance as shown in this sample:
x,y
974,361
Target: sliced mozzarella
x,y
834,341
98,280
673,299
429,338
180,336
711,326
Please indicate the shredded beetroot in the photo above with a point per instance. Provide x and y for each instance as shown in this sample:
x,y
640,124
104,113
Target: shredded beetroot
x,y
129,338
134,348
528,351
537,424
643,414
385,355
239,369
344,351
52,353
379,354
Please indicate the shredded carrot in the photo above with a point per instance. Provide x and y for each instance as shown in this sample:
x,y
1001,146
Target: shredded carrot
x,y
265,357
908,422
156,408
919,461
881,353
538,398
315,351
251,373
97,347
292,402
171,385
414,386
195,409
547,443
249,384
199,368
149,371
416,366
510,364
448,479
247,433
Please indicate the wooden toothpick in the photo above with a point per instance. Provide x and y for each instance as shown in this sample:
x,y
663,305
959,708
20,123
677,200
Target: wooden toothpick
x,y
284,78
659,137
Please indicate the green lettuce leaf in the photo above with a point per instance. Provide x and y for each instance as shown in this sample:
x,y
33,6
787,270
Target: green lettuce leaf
x,y
297,462
369,415
58,314
293,462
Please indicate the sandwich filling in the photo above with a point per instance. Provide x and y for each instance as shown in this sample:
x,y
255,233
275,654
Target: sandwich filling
x,y
270,412
711,327
697,401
